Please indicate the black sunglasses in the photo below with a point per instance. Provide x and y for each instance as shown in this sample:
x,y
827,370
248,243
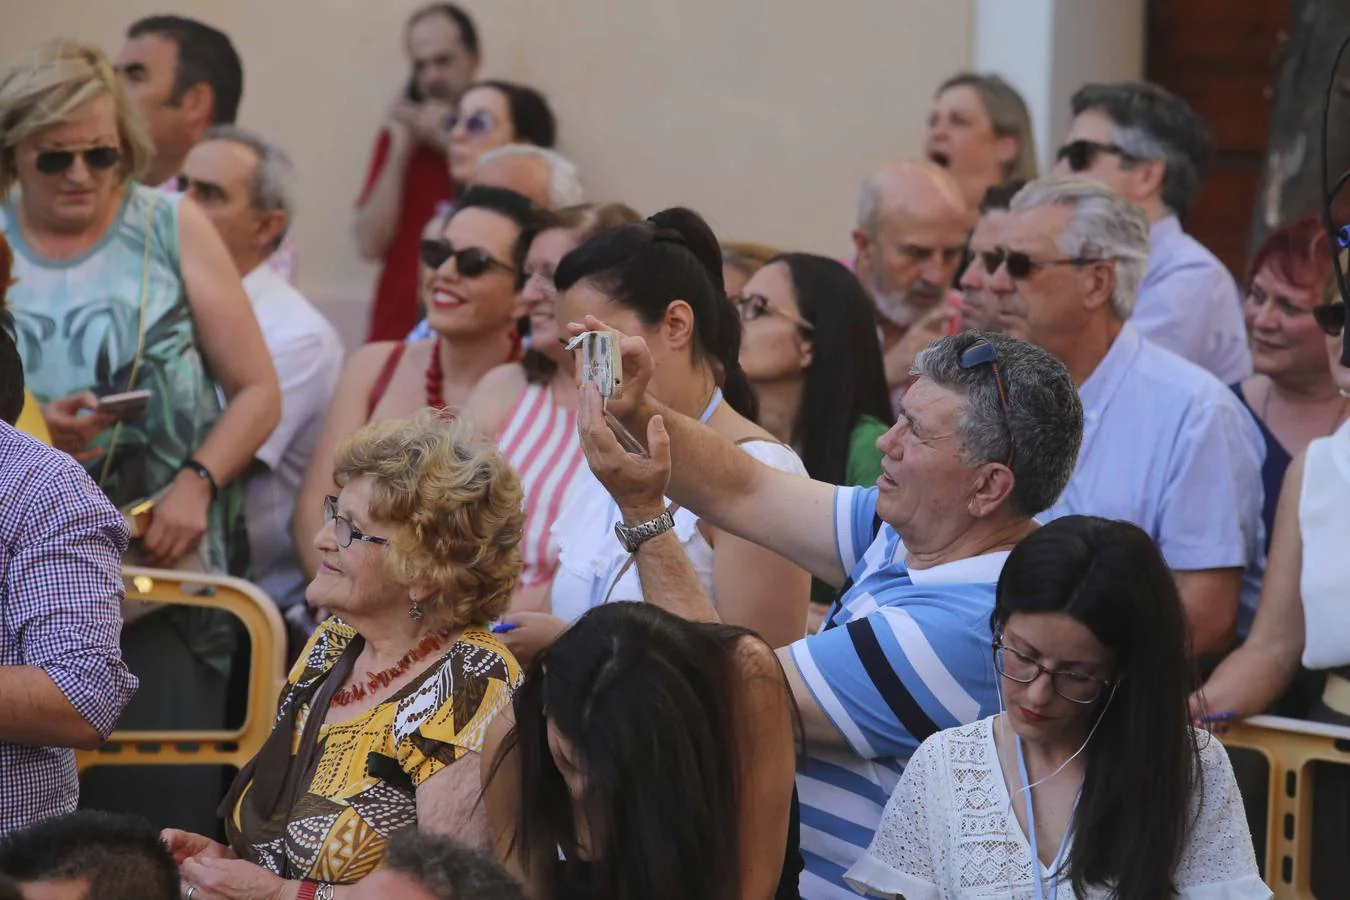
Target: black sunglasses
x,y
1330,317
1081,154
96,159
1020,265
980,353
470,261
755,306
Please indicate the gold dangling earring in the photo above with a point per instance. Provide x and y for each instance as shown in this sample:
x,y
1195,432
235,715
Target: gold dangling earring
x,y
415,611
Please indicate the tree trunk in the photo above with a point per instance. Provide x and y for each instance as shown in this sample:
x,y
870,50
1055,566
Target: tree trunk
x,y
1292,182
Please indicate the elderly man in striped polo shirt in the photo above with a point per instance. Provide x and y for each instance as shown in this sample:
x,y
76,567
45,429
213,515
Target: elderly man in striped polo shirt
x,y
986,438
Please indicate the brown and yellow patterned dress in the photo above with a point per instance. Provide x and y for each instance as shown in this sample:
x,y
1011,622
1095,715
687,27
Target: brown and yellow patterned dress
x,y
360,786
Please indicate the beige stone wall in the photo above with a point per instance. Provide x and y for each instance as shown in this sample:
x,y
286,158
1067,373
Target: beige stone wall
x,y
763,114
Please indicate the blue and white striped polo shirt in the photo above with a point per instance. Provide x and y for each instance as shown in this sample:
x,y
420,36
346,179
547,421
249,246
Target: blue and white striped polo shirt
x,y
903,655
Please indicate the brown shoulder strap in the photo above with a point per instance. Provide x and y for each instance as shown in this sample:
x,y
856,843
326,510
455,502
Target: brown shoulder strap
x,y
268,771
386,376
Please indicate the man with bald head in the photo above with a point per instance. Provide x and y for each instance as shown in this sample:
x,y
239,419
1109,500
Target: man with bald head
x,y
911,234
547,177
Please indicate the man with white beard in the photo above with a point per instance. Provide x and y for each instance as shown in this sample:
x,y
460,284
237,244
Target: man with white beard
x,y
911,235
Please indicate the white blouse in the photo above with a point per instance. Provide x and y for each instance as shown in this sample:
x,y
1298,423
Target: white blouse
x,y
949,831
591,560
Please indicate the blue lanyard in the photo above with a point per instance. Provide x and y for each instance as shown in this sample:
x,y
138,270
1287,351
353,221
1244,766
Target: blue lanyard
x,y
1031,834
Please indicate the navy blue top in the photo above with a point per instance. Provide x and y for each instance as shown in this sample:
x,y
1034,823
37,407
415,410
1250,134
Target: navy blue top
x,y
1272,472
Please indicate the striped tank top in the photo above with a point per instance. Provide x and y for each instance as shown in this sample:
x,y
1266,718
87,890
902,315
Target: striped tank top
x,y
540,441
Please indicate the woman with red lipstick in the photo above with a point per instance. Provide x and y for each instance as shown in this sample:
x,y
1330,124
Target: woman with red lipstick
x,y
1292,395
1092,780
530,407
471,280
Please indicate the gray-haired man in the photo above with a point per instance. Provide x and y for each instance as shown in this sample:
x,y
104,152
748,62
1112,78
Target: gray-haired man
x,y
1166,445
246,184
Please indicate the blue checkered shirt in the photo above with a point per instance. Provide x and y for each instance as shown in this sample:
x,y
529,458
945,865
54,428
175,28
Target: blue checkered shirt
x,y
61,545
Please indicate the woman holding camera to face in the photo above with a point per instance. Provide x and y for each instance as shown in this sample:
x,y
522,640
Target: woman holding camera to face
x,y
662,279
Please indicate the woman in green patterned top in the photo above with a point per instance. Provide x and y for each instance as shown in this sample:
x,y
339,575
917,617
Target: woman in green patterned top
x,y
810,349
120,287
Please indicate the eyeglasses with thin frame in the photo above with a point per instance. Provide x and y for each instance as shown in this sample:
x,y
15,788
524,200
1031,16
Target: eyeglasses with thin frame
x,y
1021,265
96,159
754,306
1081,154
470,261
1330,317
343,529
476,124
1072,686
982,352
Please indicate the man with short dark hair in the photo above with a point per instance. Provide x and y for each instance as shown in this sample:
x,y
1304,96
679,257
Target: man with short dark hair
x,y
90,856
184,76
421,866
63,683
1146,144
408,175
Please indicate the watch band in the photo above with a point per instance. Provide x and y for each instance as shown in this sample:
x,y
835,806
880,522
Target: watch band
x,y
194,466
634,536
314,890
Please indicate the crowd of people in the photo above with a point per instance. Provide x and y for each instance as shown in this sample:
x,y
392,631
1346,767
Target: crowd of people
x,y
919,574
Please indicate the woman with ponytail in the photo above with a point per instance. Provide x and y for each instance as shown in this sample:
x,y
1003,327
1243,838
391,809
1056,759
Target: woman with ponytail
x,y
662,279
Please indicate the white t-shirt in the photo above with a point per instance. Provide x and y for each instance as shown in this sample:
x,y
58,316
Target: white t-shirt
x,y
307,354
590,556
949,832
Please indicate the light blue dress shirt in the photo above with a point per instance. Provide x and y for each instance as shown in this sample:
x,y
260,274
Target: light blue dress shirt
x,y
1189,304
1168,447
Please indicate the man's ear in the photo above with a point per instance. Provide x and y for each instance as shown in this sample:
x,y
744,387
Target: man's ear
x,y
269,228
199,103
992,490
1101,286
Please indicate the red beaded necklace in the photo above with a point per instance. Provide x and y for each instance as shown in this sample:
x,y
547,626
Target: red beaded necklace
x,y
378,680
436,374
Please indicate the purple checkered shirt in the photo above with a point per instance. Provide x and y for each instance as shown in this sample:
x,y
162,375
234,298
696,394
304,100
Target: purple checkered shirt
x,y
61,545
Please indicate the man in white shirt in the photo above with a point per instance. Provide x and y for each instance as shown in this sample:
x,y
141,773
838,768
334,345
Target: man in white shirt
x,y
245,183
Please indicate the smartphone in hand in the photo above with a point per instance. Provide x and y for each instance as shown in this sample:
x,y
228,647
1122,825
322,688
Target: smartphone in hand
x,y
130,405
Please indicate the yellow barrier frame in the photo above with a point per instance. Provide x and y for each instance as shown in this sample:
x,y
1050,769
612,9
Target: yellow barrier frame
x,y
1290,746
267,673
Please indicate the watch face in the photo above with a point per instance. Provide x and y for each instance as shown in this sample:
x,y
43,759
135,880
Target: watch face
x,y
621,533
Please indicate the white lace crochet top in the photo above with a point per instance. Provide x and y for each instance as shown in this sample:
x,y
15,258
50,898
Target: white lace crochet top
x,y
949,831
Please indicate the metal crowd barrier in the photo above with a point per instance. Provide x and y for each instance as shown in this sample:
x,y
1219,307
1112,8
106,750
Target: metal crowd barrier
x,y
1290,747
267,673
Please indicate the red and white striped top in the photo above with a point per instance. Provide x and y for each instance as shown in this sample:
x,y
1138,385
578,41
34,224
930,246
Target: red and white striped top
x,y
540,441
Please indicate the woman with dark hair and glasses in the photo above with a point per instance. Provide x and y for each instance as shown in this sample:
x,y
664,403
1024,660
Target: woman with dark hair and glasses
x,y
1303,620
1092,779
652,758
471,280
382,723
492,114
808,346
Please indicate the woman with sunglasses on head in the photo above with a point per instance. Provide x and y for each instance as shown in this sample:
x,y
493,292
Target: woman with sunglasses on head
x,y
120,288
1303,621
651,757
382,722
1092,782
808,347
662,279
471,286
1292,396
530,407
492,114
